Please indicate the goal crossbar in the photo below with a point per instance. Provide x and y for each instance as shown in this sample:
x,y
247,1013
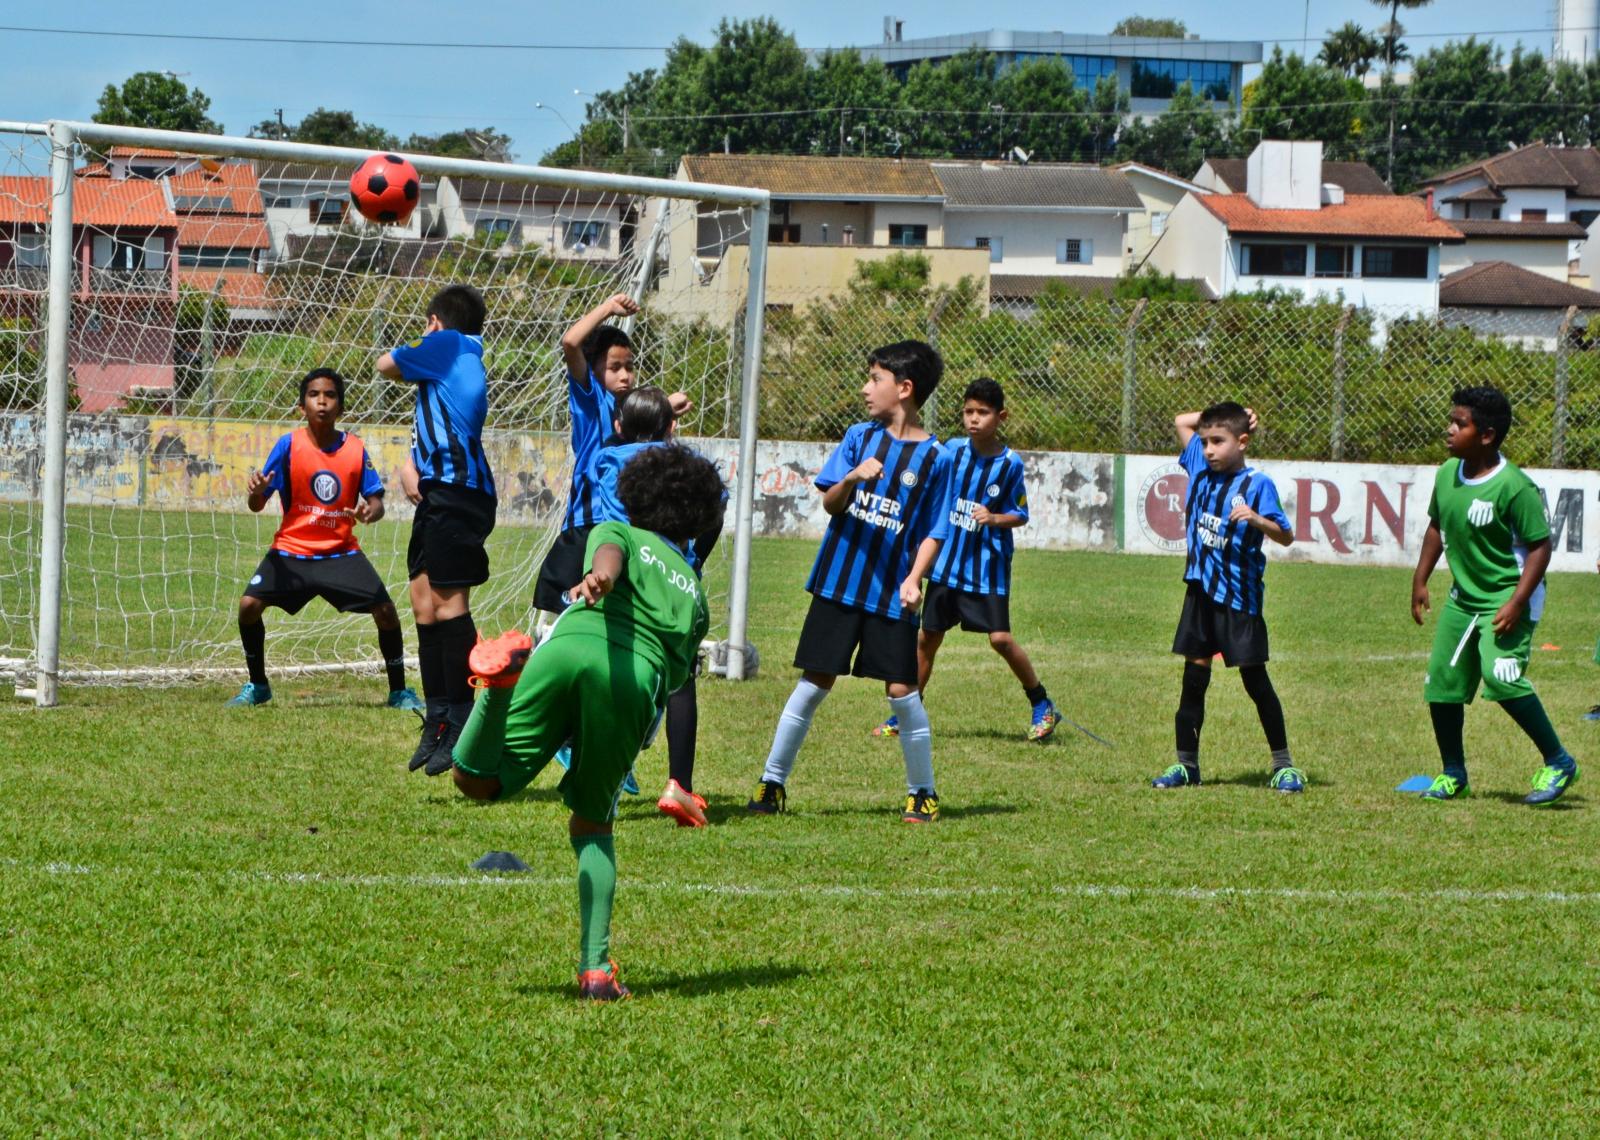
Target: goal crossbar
x,y
66,135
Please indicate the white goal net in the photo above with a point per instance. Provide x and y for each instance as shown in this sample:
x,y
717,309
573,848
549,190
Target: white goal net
x,y
208,275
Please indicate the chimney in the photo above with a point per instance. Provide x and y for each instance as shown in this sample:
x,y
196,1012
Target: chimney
x,y
1429,199
893,29
1283,175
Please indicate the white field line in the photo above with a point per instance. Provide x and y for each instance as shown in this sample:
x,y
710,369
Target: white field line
x,y
527,881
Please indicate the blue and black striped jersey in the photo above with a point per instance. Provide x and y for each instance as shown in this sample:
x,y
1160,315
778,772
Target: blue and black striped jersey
x,y
1225,558
603,474
868,548
976,558
452,404
593,409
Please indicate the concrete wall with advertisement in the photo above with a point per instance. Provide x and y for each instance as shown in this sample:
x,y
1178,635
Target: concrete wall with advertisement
x,y
1346,513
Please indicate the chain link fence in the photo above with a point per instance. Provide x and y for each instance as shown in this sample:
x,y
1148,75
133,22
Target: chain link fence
x,y
1096,374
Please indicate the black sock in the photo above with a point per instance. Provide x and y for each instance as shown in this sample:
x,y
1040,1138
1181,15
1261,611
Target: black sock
x,y
1268,707
1191,713
683,721
254,639
1447,722
457,636
430,667
1036,694
393,648
1530,716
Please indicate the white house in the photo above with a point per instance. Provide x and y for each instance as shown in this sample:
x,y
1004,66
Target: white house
x,y
581,225
1499,299
1229,175
306,201
1289,230
1527,207
1160,193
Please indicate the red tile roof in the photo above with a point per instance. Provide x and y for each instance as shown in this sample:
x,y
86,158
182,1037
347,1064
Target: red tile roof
x,y
95,202
234,180
223,230
241,288
1501,285
1575,169
1358,216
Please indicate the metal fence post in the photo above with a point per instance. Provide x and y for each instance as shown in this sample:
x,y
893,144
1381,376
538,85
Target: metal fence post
x,y
1130,374
1558,419
1336,442
930,410
208,359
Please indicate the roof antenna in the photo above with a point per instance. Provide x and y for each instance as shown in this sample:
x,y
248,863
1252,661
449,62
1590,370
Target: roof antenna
x,y
1020,155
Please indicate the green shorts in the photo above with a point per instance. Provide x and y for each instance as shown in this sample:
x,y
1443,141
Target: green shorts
x,y
600,696
1458,661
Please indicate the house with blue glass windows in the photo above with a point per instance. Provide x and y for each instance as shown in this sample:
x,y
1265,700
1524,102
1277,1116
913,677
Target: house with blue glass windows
x,y
1149,68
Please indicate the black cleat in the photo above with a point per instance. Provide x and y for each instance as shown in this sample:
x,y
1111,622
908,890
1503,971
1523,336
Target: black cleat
x,y
768,800
432,730
443,757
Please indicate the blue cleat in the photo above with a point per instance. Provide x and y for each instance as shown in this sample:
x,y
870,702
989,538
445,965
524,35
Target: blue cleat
x,y
1592,714
1045,719
406,699
563,756
1176,776
1289,780
1552,780
250,695
629,784
890,727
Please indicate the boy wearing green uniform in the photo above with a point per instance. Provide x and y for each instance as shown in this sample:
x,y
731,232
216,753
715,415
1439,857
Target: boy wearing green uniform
x,y
601,677
1488,516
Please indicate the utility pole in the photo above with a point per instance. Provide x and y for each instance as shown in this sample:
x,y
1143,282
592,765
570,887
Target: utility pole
x,y
842,113
282,130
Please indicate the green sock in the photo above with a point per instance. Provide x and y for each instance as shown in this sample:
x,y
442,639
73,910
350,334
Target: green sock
x,y
1530,716
597,887
483,737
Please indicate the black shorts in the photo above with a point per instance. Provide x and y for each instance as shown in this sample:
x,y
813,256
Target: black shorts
x,y
562,569
349,582
1206,629
943,608
888,648
447,535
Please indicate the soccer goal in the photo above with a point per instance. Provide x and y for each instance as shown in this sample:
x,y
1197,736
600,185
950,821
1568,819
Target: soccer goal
x,y
162,293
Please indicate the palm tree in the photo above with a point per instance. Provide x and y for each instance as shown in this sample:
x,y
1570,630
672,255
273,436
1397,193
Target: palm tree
x,y
1393,49
1349,49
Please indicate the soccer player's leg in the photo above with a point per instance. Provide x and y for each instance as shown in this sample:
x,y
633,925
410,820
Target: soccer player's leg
x,y
618,697
679,800
277,582
514,731
351,585
889,654
827,643
1197,642
1449,686
253,638
430,666
456,561
991,614
1504,664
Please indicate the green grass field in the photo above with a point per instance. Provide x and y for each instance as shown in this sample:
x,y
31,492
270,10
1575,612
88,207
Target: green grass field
x,y
255,922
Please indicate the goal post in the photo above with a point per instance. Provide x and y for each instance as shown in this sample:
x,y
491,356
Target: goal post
x,y
190,280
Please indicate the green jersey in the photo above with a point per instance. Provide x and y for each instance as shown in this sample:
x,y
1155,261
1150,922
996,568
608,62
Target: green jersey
x,y
656,610
1487,524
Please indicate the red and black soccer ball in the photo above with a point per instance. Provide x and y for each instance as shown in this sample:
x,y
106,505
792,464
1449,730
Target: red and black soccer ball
x,y
385,189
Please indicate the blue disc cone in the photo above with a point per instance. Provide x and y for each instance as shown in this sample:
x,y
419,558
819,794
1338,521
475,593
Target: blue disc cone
x,y
500,861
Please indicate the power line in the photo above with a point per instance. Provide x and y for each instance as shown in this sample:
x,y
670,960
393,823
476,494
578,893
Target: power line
x,y
458,45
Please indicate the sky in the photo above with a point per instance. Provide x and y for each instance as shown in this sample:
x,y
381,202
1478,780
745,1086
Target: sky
x,y
584,46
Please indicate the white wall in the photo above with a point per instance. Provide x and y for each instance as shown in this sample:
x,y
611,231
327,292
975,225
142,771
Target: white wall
x,y
1285,175
1553,202
1030,238
1547,258
1192,247
884,214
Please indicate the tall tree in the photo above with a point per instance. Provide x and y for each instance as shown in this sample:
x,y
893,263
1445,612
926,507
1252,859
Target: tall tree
x,y
470,142
1450,112
340,128
1151,26
1046,112
955,112
1296,100
755,71
1393,49
1179,139
856,105
1350,49
158,100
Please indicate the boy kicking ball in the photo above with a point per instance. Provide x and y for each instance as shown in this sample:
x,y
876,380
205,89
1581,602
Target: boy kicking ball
x,y
1231,508
600,678
1487,513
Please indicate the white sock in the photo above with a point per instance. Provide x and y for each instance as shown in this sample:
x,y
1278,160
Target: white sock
x,y
916,742
792,728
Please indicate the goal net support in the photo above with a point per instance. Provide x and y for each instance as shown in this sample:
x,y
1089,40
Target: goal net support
x,y
161,295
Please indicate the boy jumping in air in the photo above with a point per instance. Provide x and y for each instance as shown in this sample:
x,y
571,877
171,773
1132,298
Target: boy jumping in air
x,y
1487,514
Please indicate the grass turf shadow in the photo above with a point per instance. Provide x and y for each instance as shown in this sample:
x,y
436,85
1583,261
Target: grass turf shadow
x,y
690,985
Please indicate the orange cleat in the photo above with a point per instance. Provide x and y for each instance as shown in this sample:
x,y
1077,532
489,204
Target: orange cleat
x,y
498,662
602,985
687,808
